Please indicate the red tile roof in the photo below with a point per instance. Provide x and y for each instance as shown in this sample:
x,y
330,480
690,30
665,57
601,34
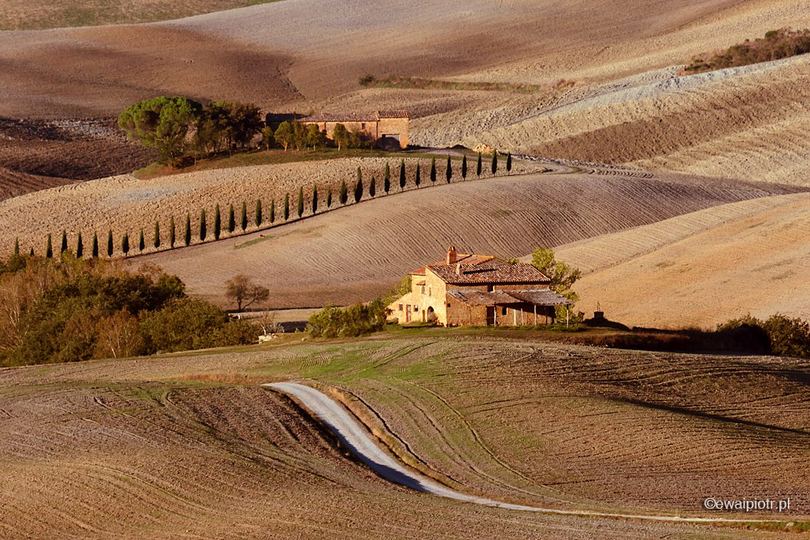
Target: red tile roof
x,y
538,297
483,269
354,116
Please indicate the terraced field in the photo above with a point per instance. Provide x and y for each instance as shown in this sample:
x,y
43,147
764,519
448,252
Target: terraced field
x,y
190,446
355,253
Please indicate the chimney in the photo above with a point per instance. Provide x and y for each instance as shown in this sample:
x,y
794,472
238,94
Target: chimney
x,y
458,269
451,255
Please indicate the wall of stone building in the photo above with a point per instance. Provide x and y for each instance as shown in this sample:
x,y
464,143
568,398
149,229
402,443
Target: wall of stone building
x,y
461,314
369,128
394,126
523,315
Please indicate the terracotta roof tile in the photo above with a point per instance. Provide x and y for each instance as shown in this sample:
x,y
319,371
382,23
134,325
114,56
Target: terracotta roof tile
x,y
481,269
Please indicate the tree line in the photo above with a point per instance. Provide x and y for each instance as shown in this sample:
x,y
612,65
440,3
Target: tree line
x,y
233,220
180,129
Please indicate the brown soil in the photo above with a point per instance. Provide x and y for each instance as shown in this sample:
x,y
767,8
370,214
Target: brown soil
x,y
38,154
354,253
38,14
159,448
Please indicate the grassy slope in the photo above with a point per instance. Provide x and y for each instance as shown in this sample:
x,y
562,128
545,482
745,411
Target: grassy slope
x,y
523,421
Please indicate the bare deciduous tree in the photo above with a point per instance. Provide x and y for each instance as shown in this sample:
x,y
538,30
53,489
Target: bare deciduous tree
x,y
242,290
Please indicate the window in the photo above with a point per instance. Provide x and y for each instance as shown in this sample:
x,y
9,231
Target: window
x,y
362,125
423,289
503,311
490,288
430,291
448,305
400,307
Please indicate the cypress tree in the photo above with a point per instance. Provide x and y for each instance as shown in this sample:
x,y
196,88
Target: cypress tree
x,y
79,247
63,248
49,248
418,179
125,244
448,170
299,208
464,167
156,239
141,241
402,175
387,178
343,195
244,219
94,248
17,246
258,214
478,168
433,170
31,251
358,186
203,225
272,210
110,247
372,187
314,199
508,162
231,220
286,206
494,162
329,198
187,231
172,237
217,222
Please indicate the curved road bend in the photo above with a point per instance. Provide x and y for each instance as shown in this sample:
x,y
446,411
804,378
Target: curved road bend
x,y
355,436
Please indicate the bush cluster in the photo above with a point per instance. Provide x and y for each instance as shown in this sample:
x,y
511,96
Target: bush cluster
x,y
779,334
67,309
775,45
352,321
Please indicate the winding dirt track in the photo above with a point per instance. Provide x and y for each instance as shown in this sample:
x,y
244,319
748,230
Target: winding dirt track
x,y
353,435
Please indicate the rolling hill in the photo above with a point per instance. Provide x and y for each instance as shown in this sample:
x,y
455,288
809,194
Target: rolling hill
x,y
191,446
354,253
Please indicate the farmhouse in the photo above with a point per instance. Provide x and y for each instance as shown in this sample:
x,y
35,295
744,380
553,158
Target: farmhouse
x,y
478,290
380,125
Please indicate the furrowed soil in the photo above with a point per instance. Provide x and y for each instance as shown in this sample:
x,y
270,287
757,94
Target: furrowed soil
x,y
354,253
191,446
701,269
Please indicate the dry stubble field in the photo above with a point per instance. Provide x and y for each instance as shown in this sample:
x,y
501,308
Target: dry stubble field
x,y
190,446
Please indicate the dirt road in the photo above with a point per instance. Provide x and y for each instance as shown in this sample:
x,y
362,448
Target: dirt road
x,y
355,437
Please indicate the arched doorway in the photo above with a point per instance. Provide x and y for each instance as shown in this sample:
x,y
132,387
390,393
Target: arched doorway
x,y
430,315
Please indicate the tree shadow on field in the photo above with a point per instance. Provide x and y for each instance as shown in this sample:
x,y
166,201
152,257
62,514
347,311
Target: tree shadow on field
x,y
730,420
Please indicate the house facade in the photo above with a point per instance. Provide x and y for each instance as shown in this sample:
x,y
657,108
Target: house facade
x,y
376,126
477,290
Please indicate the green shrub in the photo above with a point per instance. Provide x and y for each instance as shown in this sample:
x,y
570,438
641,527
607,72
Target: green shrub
x,y
352,321
784,336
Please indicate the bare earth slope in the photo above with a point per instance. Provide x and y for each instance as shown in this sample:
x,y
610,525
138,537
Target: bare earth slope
x,y
37,14
703,268
352,254
189,446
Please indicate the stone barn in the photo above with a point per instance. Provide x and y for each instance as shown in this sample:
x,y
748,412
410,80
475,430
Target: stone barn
x,y
477,290
377,126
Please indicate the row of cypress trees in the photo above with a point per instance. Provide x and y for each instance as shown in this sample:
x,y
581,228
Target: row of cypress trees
x,y
358,191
